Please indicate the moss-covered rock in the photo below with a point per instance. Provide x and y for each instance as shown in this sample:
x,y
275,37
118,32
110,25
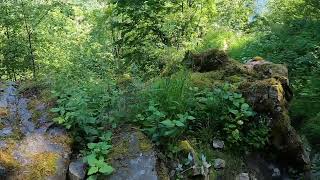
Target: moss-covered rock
x,y
266,88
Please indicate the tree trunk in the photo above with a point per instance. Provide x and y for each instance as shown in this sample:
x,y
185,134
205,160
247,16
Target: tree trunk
x,y
31,51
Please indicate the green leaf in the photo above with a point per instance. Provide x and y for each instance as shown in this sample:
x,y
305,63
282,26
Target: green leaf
x,y
233,111
59,120
55,110
106,169
179,123
92,145
92,159
191,118
245,106
93,170
236,103
168,123
94,177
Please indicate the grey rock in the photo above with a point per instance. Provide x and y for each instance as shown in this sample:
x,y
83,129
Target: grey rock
x,y
77,170
218,144
137,160
3,145
276,172
25,116
243,176
43,146
5,132
219,164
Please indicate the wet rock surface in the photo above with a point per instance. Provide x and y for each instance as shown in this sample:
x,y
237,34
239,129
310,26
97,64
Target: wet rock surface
x,y
30,148
133,157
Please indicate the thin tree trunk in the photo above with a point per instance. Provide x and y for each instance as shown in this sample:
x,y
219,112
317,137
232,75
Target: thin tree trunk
x,y
31,52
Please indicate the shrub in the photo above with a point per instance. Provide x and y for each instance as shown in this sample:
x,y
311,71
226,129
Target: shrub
x,y
164,107
312,130
170,106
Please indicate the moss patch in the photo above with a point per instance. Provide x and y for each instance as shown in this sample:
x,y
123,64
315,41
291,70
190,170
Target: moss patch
x,y
4,112
6,155
233,72
162,171
63,140
120,149
42,165
144,143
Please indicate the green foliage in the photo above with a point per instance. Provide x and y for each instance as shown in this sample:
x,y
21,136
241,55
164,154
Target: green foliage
x,y
312,130
97,155
85,108
170,106
144,31
227,113
163,110
81,47
287,33
82,107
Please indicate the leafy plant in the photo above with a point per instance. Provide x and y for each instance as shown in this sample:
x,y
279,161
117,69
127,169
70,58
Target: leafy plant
x,y
97,155
85,111
164,107
158,125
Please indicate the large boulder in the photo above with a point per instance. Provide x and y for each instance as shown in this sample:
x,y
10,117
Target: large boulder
x,y
32,149
133,157
266,88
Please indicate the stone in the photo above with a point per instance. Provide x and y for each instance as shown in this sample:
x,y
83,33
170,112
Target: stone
x,y
219,164
77,170
218,144
25,153
276,172
133,157
243,176
266,88
5,132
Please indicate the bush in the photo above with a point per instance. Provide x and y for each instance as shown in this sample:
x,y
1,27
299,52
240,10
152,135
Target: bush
x,y
86,107
164,107
312,130
170,106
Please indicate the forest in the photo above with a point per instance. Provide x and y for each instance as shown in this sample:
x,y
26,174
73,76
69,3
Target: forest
x,y
160,89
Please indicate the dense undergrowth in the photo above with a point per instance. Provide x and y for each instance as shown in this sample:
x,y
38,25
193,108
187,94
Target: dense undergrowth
x,y
110,64
167,109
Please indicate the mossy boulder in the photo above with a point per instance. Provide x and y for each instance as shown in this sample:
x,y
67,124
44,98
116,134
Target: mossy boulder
x,y
266,88
133,157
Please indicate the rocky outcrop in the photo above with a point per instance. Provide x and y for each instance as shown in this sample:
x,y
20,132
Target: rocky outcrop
x,y
134,158
266,88
29,147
